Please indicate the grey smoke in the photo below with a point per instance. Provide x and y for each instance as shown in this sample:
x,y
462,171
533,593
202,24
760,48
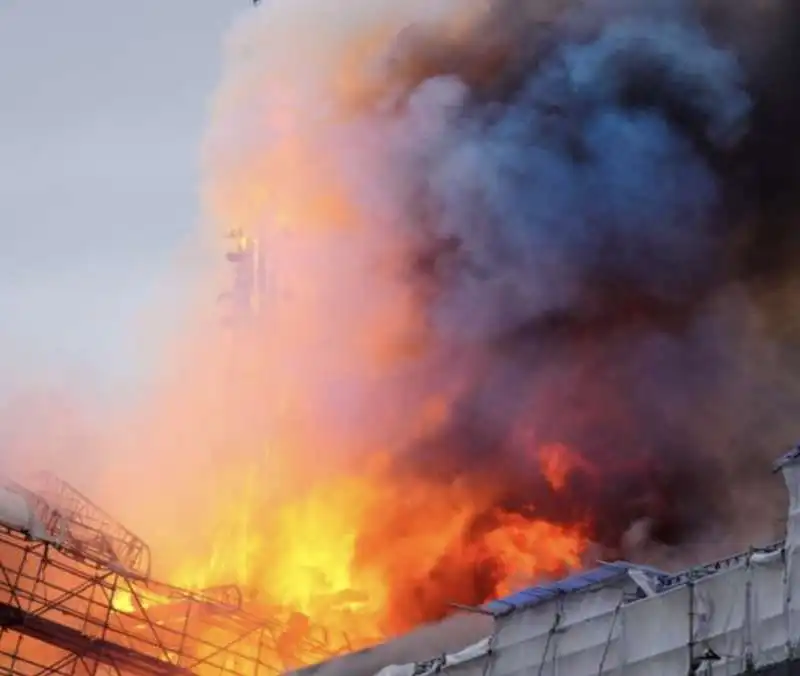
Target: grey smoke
x,y
579,191
564,184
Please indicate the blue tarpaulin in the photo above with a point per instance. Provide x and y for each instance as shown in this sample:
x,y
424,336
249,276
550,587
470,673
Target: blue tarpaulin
x,y
597,576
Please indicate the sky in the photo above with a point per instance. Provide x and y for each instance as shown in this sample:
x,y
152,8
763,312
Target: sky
x,y
103,108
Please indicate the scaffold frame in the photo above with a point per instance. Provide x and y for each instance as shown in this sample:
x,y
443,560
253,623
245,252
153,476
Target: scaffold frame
x,y
76,600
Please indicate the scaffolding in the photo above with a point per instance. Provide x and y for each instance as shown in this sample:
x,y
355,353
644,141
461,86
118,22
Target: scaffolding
x,y
76,599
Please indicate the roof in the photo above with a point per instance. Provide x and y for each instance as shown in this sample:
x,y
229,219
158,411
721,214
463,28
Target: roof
x,y
787,458
604,573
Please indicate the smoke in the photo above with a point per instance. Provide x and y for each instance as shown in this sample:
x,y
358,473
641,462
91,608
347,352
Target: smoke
x,y
571,222
591,214
49,432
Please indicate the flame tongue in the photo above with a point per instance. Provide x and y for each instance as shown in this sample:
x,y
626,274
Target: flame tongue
x,y
376,552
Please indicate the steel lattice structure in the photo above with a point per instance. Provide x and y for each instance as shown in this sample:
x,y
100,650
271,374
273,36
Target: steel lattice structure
x,y
76,600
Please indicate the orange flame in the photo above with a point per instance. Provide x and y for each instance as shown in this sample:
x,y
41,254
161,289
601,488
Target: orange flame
x,y
346,552
558,463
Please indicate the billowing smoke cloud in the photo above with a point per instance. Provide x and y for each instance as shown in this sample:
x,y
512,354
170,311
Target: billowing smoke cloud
x,y
571,222
586,192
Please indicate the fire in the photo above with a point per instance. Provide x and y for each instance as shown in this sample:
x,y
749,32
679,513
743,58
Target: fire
x,y
330,387
558,463
125,601
369,553
529,549
317,537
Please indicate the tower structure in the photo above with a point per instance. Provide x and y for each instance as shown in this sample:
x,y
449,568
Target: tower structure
x,y
243,301
77,599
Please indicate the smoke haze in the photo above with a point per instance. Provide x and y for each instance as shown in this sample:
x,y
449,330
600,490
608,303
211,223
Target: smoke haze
x,y
98,189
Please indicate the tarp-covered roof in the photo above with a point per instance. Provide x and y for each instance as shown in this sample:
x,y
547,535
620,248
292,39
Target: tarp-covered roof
x,y
787,458
597,576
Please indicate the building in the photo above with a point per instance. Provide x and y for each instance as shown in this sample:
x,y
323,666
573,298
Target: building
x,y
734,616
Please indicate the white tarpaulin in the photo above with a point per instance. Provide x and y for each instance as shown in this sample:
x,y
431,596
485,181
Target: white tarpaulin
x,y
721,618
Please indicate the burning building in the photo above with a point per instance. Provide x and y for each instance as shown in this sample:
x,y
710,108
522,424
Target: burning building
x,y
525,277
76,597
734,616
514,293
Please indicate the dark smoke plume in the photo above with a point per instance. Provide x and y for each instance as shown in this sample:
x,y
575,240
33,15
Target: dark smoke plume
x,y
605,218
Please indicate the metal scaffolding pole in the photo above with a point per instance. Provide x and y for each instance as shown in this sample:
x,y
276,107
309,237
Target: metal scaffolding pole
x,y
76,599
